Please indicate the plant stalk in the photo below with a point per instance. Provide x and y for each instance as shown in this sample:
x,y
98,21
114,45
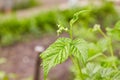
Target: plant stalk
x,y
110,46
76,63
71,32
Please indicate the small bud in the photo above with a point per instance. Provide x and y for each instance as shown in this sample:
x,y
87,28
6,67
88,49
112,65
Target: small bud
x,y
58,32
66,29
96,27
58,26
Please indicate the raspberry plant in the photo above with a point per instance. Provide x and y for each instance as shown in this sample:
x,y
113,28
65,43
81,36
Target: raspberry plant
x,y
86,66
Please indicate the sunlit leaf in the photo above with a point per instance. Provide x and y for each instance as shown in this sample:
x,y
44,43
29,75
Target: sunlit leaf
x,y
57,53
114,33
116,76
80,49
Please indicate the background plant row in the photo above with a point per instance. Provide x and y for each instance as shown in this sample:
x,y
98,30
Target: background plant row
x,y
14,29
17,4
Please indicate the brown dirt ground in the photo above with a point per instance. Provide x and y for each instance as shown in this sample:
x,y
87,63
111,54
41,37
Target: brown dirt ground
x,y
21,59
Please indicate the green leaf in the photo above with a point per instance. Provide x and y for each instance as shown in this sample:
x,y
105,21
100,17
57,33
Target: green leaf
x,y
106,72
116,76
97,49
102,45
97,72
91,69
57,53
114,33
79,49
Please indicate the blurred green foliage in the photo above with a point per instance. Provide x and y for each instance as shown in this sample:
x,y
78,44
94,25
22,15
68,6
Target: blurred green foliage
x,y
24,5
109,41
2,60
14,29
15,5
5,76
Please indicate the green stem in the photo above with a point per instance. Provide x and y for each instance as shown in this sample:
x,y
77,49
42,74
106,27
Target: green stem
x,y
76,63
102,33
92,58
71,32
79,67
112,54
110,43
110,46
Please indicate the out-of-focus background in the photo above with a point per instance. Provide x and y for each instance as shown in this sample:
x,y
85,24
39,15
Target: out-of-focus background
x,y
25,24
